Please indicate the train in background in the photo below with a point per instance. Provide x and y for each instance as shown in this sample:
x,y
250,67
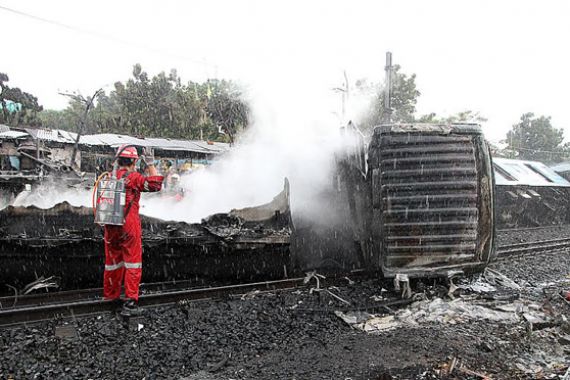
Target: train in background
x,y
529,194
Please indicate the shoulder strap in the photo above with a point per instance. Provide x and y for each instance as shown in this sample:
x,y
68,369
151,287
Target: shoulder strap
x,y
129,207
132,199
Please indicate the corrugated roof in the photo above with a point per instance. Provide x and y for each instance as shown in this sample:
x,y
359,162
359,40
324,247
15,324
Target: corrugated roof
x,y
56,135
115,140
530,173
109,139
13,135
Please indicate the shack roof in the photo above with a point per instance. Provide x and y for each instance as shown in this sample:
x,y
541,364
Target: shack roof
x,y
55,135
12,135
114,140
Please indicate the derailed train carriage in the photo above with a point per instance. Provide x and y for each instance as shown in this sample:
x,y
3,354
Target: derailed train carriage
x,y
416,200
432,199
63,243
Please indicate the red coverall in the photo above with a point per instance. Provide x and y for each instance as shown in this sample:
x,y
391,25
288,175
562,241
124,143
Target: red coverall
x,y
123,244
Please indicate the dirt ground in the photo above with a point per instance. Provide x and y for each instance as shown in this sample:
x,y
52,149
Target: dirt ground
x,y
296,335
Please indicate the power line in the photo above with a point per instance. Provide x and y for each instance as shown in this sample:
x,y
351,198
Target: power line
x,y
109,37
534,150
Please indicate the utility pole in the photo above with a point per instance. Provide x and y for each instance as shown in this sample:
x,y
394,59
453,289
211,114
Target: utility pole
x,y
83,120
387,111
345,94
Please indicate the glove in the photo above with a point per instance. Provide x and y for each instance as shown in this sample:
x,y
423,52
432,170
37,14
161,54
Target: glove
x,y
148,156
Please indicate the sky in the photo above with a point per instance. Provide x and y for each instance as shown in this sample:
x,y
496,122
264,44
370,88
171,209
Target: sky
x,y
499,58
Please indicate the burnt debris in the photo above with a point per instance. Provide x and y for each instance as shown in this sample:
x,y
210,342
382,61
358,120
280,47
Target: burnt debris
x,y
64,242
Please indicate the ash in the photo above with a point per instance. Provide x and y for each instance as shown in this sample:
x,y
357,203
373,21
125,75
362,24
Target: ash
x,y
298,335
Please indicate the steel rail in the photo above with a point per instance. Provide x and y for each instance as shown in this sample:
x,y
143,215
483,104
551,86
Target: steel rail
x,y
62,310
58,305
37,299
533,247
533,228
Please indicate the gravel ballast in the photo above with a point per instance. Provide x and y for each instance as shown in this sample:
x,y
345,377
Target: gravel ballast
x,y
296,335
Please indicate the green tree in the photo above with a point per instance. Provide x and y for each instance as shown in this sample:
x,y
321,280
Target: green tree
x,y
26,113
534,138
56,119
162,106
225,107
69,119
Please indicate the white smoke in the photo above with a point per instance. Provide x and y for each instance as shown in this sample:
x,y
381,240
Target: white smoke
x,y
293,135
50,193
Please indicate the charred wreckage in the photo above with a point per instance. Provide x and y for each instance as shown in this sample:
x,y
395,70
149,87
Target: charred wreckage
x,y
414,200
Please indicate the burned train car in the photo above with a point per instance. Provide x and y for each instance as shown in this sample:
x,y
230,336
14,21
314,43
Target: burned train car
x,y
420,199
529,194
63,243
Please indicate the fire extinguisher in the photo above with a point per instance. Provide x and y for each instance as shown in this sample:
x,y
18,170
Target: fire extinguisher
x,y
109,196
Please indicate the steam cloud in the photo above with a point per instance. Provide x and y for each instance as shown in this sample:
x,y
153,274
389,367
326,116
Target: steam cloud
x,y
292,136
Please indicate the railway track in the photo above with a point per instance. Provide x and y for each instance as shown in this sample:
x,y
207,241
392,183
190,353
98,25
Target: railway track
x,y
532,228
80,304
533,247
65,304
39,298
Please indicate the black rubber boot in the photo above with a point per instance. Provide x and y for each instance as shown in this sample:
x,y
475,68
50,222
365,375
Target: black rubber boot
x,y
131,308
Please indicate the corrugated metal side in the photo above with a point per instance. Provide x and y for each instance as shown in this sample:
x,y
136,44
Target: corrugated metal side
x,y
429,200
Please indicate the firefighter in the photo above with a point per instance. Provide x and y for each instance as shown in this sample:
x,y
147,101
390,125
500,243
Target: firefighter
x,y
123,244
174,190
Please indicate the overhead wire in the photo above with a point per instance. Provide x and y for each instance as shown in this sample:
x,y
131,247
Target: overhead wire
x,y
73,28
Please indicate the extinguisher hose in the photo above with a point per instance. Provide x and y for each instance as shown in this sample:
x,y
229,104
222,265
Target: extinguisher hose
x,y
94,195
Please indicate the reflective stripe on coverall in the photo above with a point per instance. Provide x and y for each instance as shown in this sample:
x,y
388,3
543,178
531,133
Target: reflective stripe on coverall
x,y
123,244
